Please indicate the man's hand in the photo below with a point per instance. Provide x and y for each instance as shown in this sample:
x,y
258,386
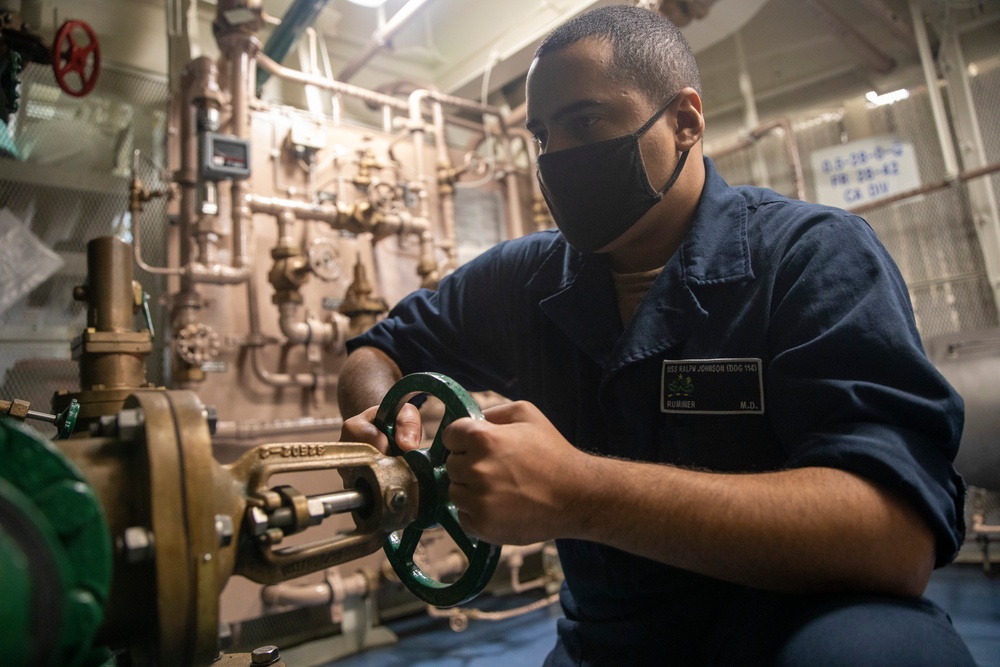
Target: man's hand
x,y
361,428
513,475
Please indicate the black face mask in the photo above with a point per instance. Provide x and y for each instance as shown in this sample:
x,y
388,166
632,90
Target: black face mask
x,y
597,191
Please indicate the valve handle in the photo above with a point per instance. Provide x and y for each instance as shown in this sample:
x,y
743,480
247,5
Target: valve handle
x,y
71,57
65,421
436,509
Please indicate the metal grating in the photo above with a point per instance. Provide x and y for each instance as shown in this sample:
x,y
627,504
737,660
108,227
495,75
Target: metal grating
x,y
69,185
931,237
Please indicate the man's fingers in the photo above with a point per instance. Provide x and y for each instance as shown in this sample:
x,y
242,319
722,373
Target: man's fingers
x,y
361,428
509,413
409,427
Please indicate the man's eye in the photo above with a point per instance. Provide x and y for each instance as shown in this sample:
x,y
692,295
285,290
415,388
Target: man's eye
x,y
585,121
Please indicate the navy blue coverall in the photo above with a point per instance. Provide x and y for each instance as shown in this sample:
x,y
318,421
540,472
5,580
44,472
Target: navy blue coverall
x,y
780,335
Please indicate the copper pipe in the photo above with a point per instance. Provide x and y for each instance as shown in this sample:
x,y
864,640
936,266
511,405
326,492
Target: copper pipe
x,y
338,87
791,149
942,184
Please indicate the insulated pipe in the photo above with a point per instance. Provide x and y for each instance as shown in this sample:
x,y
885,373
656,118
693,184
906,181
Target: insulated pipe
x,y
200,81
514,218
934,92
240,51
415,103
311,331
340,216
372,97
381,37
251,430
446,188
335,589
750,114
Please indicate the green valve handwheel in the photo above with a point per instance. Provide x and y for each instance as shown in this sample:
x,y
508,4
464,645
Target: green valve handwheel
x,y
436,509
55,556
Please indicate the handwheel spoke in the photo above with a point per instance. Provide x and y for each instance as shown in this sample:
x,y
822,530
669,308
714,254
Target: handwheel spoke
x,y
408,542
449,521
427,466
438,452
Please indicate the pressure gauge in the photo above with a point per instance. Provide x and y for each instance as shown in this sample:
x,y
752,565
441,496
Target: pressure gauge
x,y
224,156
324,259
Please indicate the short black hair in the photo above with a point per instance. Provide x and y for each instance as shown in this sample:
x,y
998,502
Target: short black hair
x,y
648,50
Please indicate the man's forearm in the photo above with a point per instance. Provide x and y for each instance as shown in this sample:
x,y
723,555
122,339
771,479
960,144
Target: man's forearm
x,y
366,377
797,530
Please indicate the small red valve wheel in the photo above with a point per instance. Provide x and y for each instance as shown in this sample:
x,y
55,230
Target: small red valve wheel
x,y
75,51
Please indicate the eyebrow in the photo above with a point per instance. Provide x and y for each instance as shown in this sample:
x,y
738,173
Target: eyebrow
x,y
572,107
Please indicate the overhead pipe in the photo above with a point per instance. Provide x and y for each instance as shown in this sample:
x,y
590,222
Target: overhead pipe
x,y
387,102
300,15
381,37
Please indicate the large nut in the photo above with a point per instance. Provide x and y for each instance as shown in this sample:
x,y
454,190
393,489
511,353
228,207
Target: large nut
x,y
265,655
224,529
131,424
257,521
316,511
137,544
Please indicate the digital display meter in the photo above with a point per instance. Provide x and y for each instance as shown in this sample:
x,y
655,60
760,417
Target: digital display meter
x,y
225,157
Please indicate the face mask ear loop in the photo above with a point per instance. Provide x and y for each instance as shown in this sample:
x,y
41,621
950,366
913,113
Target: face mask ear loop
x,y
649,123
673,177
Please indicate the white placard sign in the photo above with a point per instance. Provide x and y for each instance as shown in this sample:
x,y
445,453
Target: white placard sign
x,y
863,171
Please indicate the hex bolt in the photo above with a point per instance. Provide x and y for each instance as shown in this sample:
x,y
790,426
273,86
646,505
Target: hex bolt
x,y
211,416
316,511
106,426
395,498
137,544
257,519
224,529
131,424
264,655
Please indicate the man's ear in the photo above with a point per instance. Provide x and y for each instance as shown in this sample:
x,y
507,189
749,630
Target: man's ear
x,y
690,120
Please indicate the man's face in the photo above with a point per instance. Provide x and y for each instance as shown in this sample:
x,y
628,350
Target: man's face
x,y
572,100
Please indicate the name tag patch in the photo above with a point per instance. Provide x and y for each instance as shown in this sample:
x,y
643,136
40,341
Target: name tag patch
x,y
712,386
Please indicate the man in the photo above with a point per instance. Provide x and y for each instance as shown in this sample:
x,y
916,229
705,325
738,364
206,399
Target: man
x,y
723,413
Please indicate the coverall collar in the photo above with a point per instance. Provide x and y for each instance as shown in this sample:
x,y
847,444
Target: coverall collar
x,y
576,291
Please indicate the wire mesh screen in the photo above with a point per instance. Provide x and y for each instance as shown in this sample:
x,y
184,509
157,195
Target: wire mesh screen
x,y
765,163
67,184
932,237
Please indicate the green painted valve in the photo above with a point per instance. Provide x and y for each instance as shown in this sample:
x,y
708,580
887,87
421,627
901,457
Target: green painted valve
x,y
435,508
55,555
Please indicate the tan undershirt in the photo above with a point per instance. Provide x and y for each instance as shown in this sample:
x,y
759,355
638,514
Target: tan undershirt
x,y
630,288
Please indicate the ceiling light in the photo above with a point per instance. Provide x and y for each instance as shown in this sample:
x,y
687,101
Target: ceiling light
x,y
368,3
887,98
